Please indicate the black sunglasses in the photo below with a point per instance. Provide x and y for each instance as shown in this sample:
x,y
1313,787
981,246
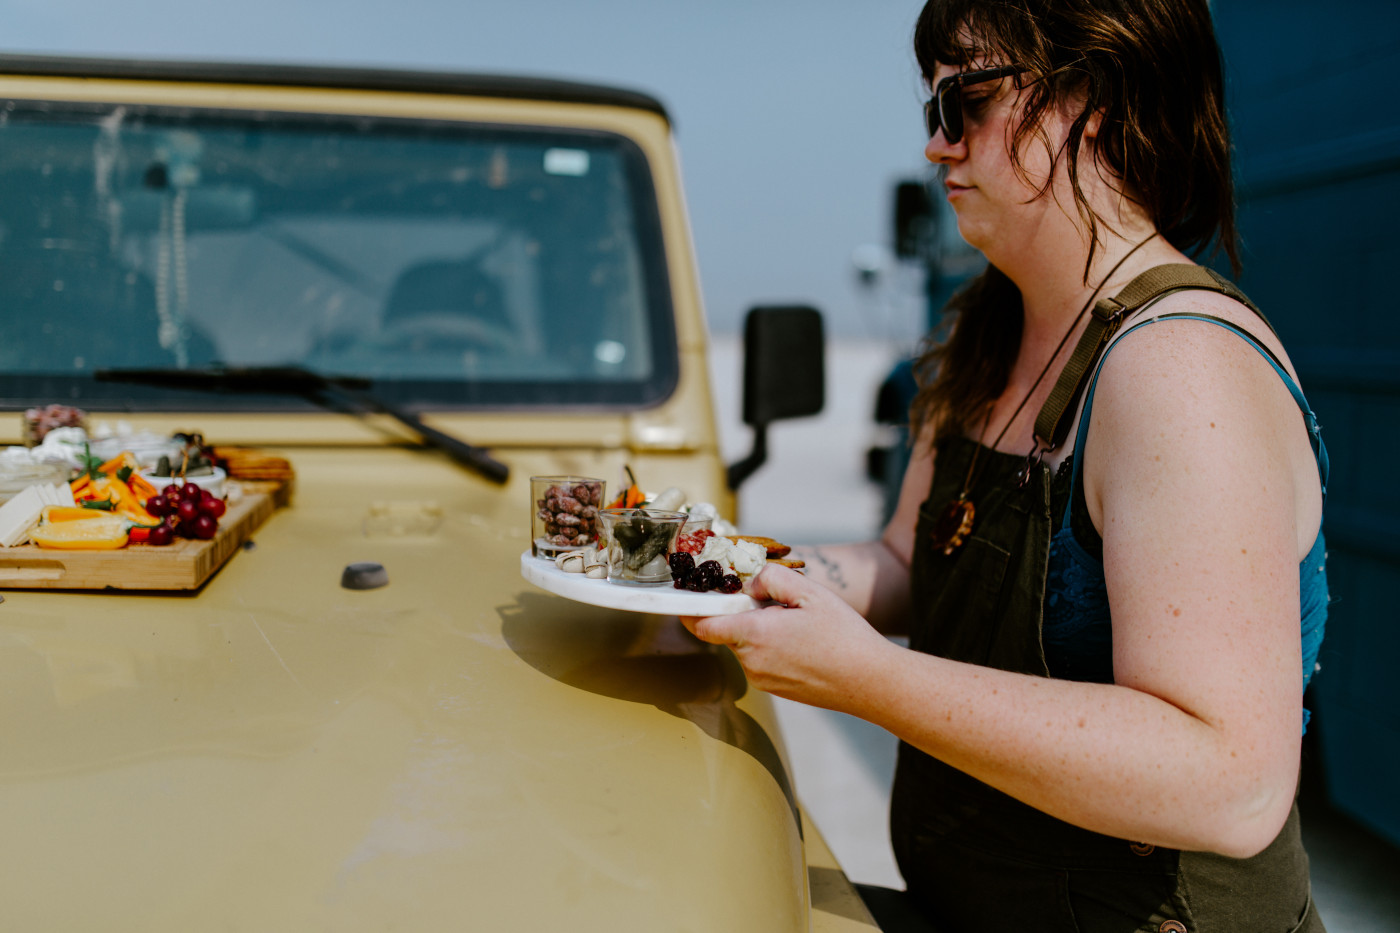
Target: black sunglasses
x,y
944,110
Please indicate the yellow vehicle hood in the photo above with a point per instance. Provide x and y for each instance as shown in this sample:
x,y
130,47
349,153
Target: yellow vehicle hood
x,y
455,750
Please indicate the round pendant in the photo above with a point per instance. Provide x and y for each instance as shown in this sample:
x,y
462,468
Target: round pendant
x,y
953,526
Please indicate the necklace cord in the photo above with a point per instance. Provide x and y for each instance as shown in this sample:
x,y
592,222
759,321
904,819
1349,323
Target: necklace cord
x,y
972,466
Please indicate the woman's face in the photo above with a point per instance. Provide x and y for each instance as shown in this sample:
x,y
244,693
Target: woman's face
x,y
996,205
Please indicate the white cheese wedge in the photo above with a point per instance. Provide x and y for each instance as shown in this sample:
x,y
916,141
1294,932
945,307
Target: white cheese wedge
x,y
741,557
19,515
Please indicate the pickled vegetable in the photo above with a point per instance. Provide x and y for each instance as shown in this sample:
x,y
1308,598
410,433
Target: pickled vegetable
x,y
102,532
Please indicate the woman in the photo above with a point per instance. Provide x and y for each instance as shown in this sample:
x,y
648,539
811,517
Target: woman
x,y
1101,712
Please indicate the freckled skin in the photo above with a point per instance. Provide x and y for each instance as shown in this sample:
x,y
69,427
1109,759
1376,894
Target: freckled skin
x,y
1199,477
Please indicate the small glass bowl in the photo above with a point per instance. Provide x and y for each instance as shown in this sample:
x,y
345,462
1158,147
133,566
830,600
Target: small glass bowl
x,y
693,525
564,513
15,477
212,482
640,543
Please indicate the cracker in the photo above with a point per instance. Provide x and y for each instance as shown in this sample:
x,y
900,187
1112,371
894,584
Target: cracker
x,y
774,548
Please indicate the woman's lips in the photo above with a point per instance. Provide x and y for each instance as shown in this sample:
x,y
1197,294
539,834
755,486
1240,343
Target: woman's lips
x,y
954,189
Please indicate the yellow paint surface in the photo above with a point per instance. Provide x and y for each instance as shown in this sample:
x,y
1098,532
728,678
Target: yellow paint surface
x,y
454,751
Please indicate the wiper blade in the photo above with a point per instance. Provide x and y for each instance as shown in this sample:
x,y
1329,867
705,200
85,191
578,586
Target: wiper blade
x,y
323,390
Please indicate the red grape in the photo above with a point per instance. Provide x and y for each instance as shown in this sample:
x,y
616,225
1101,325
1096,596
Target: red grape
x,y
161,535
190,491
205,527
157,505
188,510
212,505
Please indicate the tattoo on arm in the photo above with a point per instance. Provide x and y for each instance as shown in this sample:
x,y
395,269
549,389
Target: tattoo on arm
x,y
831,567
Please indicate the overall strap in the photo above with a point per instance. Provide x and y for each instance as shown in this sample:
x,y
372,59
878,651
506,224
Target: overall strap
x,y
1056,415
1310,419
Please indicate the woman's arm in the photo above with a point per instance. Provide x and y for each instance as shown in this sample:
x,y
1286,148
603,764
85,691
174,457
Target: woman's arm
x,y
1196,444
872,577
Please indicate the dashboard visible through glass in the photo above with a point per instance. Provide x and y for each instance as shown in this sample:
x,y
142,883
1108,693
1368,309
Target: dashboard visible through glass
x,y
454,265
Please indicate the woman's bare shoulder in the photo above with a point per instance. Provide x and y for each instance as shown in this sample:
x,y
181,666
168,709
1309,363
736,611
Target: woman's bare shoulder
x,y
1217,305
1184,376
1187,411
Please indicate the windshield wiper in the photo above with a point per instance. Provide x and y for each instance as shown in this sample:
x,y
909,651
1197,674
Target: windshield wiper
x,y
331,392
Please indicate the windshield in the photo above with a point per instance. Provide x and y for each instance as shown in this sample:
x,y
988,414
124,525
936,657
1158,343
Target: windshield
x,y
454,265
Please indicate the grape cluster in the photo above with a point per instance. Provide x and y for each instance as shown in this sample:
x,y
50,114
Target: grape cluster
x,y
187,510
709,575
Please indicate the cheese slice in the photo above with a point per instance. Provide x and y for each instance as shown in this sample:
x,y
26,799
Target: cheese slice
x,y
20,515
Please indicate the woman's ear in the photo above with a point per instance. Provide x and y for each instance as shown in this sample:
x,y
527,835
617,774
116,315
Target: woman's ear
x,y
1091,128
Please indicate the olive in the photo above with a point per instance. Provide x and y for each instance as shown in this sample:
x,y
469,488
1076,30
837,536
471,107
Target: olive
x,y
629,535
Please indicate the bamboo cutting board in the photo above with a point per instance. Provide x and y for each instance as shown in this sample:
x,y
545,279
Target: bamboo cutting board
x,y
182,565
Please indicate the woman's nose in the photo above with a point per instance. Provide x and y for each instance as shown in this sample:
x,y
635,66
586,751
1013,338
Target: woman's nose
x,y
939,151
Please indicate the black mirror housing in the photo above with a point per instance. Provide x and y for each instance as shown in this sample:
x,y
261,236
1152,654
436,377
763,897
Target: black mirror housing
x,y
784,364
914,221
784,374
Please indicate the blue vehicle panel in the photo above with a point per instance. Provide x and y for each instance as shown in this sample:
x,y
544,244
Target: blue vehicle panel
x,y
1317,130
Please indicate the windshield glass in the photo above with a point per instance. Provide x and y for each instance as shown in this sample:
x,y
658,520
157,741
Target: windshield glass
x,y
455,265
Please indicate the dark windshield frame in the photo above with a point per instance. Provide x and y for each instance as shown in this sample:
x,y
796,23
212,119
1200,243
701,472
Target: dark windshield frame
x,y
20,391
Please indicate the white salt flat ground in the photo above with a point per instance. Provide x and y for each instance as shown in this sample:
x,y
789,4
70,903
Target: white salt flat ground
x,y
813,490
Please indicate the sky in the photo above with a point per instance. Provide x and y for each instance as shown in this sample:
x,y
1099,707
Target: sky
x,y
794,118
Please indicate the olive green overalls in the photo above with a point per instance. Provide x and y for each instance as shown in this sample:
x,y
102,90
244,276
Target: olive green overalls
x,y
978,860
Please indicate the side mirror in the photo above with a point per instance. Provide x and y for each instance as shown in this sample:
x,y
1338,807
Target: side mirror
x,y
784,375
915,221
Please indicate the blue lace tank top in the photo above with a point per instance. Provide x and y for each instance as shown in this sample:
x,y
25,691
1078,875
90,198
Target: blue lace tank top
x,y
1077,631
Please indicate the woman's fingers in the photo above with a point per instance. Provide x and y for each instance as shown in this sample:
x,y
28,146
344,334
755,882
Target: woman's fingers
x,y
792,600
773,584
720,630
778,584
702,627
804,645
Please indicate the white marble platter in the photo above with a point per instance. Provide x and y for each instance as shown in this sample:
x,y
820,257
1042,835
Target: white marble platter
x,y
662,600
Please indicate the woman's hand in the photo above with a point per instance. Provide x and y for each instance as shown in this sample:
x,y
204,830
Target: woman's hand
x,y
812,647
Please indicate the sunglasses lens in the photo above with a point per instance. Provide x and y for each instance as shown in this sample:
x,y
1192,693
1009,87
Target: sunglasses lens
x,y
944,112
950,112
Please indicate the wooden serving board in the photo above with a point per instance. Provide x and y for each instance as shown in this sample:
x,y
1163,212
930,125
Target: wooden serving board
x,y
182,565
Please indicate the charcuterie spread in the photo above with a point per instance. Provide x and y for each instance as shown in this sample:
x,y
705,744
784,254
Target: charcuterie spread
x,y
642,552
164,518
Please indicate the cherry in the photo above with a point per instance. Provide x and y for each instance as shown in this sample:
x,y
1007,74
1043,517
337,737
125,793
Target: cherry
x,y
212,505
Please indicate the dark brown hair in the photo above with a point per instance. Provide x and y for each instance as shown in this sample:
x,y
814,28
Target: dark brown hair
x,y
1153,69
